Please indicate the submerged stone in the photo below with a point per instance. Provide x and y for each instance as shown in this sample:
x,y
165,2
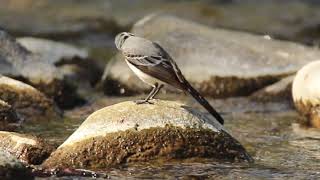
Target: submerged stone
x,y
127,132
12,168
28,102
306,93
218,62
29,149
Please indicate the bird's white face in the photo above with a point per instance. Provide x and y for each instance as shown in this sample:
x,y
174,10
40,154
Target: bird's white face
x,y
121,38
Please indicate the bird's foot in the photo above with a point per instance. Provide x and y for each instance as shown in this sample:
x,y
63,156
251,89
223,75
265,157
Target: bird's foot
x,y
143,101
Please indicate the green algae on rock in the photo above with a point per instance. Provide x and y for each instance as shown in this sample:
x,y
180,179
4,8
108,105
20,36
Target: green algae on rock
x,y
306,93
12,168
218,62
28,149
28,102
127,132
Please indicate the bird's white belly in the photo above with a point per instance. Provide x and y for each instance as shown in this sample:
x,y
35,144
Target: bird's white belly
x,y
143,76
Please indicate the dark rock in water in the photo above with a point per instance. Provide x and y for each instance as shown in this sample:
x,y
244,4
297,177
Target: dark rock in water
x,y
11,168
28,102
278,91
127,132
28,149
219,63
8,117
306,94
34,69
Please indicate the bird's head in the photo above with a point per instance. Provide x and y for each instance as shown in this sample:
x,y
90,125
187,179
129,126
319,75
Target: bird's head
x,y
121,38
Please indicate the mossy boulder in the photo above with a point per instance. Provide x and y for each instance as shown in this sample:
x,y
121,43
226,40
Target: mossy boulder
x,y
28,102
306,94
127,132
28,149
218,62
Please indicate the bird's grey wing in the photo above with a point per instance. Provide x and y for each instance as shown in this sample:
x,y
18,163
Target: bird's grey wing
x,y
155,66
171,62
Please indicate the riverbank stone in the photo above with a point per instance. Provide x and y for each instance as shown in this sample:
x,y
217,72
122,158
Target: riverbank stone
x,y
12,168
127,132
217,62
32,68
306,94
28,149
28,102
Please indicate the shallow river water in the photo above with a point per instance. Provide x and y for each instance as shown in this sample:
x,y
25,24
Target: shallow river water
x,y
281,149
268,131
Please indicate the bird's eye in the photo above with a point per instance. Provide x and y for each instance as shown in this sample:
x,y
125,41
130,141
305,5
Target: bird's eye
x,y
125,37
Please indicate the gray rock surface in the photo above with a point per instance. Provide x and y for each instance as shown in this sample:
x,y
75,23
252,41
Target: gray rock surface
x,y
28,102
73,62
280,90
127,132
28,149
11,168
34,69
217,62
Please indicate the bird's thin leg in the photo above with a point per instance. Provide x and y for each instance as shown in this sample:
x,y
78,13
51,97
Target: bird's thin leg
x,y
146,100
156,91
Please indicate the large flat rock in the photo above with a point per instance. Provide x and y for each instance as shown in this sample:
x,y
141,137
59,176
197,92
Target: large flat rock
x,y
127,132
217,62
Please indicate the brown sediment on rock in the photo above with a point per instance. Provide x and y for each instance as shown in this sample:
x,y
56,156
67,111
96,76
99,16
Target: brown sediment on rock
x,y
62,92
278,91
27,148
165,143
27,101
310,113
215,86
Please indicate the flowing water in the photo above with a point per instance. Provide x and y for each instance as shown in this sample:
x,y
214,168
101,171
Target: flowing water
x,y
268,131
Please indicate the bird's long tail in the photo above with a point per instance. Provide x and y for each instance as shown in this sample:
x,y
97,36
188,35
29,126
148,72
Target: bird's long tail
x,y
195,94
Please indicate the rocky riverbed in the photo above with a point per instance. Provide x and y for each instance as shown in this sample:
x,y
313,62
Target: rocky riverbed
x,y
67,97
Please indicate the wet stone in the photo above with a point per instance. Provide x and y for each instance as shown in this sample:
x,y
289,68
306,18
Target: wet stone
x,y
306,94
28,102
126,132
20,63
218,62
278,91
12,168
28,149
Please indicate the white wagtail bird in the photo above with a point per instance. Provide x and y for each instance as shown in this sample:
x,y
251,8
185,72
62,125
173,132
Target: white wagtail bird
x,y
154,66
